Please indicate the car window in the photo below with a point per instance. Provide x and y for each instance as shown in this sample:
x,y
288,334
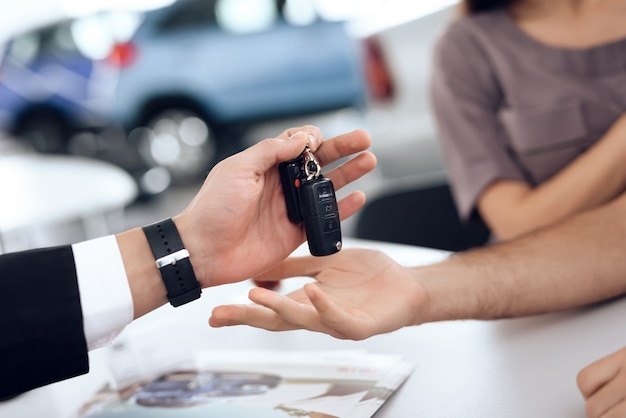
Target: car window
x,y
23,49
300,12
246,16
237,16
189,15
95,35
54,41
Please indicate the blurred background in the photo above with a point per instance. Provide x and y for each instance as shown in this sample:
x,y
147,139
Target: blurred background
x,y
112,112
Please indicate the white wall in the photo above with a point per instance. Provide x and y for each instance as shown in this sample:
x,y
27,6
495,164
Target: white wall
x,y
18,15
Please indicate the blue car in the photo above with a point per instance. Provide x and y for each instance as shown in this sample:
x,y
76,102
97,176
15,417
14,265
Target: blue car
x,y
180,90
57,93
49,90
198,73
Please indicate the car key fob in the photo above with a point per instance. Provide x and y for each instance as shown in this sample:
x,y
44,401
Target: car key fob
x,y
310,198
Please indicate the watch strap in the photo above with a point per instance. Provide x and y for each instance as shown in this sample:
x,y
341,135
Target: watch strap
x,y
172,260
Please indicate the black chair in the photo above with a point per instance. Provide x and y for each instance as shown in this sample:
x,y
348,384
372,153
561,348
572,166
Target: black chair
x,y
424,217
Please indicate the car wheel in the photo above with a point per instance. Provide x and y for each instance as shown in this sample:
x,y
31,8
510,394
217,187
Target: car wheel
x,y
180,141
46,133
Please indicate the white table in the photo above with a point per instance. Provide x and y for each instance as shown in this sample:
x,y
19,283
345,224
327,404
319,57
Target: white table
x,y
517,368
39,190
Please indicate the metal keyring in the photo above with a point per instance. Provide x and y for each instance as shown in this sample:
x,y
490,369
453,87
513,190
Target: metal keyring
x,y
308,158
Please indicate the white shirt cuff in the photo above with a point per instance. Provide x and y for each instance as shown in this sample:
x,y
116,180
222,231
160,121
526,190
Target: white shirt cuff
x,y
105,296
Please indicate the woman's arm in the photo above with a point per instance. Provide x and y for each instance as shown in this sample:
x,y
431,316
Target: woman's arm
x,y
512,208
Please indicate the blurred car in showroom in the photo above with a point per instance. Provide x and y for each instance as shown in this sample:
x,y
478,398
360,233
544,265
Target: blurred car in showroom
x,y
49,87
184,83
57,88
197,74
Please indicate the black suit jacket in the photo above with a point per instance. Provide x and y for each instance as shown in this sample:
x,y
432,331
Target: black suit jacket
x,y
42,338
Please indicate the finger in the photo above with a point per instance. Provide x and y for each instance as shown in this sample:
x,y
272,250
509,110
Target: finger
x,y
350,204
336,320
299,315
598,373
617,411
252,315
269,152
315,135
352,170
342,145
607,400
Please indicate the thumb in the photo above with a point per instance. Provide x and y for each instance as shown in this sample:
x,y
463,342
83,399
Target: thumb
x,y
270,152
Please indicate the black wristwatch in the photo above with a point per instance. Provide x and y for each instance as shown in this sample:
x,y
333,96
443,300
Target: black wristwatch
x,y
172,260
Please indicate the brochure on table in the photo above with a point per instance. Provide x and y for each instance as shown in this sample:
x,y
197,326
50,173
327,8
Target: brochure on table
x,y
259,384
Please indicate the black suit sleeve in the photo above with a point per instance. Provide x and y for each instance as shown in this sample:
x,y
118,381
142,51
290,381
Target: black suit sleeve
x,y
42,338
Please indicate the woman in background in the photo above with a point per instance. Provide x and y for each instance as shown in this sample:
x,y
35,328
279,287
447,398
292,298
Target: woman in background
x,y
530,97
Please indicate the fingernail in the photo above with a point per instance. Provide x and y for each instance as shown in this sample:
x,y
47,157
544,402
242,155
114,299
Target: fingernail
x,y
313,141
297,135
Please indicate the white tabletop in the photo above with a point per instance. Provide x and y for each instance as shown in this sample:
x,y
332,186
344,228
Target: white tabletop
x,y
517,368
39,190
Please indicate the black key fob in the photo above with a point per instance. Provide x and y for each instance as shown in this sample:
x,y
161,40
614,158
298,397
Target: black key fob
x,y
310,198
321,216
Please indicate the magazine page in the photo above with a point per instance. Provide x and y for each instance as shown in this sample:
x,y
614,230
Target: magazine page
x,y
259,384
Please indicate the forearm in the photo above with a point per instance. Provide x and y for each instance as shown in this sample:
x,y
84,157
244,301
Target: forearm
x,y
594,178
573,263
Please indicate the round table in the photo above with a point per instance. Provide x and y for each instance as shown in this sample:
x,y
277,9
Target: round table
x,y
40,190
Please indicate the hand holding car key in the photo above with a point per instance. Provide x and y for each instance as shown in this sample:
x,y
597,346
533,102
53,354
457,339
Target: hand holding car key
x,y
310,197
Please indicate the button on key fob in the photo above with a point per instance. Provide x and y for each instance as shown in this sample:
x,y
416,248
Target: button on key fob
x,y
321,216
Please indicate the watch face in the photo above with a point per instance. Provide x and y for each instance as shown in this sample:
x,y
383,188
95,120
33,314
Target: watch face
x,y
188,388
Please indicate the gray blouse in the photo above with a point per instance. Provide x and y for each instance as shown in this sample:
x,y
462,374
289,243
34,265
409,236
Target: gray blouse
x,y
510,107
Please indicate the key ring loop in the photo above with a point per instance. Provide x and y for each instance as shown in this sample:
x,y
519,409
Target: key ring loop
x,y
308,159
